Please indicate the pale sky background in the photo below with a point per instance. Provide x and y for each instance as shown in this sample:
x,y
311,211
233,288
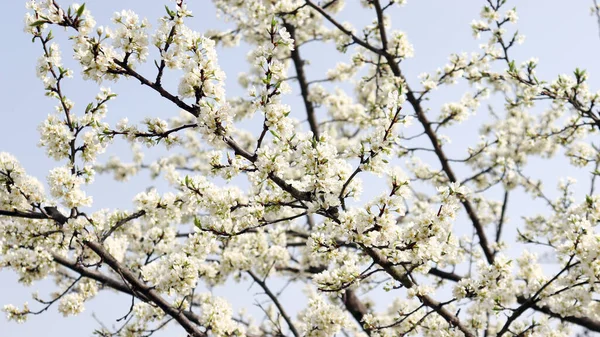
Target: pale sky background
x,y
561,34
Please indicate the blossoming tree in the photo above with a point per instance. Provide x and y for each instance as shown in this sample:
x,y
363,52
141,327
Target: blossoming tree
x,y
291,211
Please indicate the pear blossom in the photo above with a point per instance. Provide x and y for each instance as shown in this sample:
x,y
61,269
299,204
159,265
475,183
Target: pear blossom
x,y
263,191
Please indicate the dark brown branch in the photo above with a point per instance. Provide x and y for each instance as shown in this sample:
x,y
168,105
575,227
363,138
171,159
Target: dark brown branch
x,y
109,282
502,217
380,24
162,65
157,87
21,214
356,308
299,66
122,222
483,241
96,275
145,290
425,299
304,196
445,275
275,300
585,322
151,134
532,300
355,38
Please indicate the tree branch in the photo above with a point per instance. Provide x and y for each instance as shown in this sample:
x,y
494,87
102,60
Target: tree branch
x,y
275,300
299,66
356,308
20,214
425,299
145,290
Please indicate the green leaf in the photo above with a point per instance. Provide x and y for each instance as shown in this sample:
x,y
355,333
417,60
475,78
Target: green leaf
x,y
579,74
511,66
80,10
88,107
38,23
170,12
275,134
